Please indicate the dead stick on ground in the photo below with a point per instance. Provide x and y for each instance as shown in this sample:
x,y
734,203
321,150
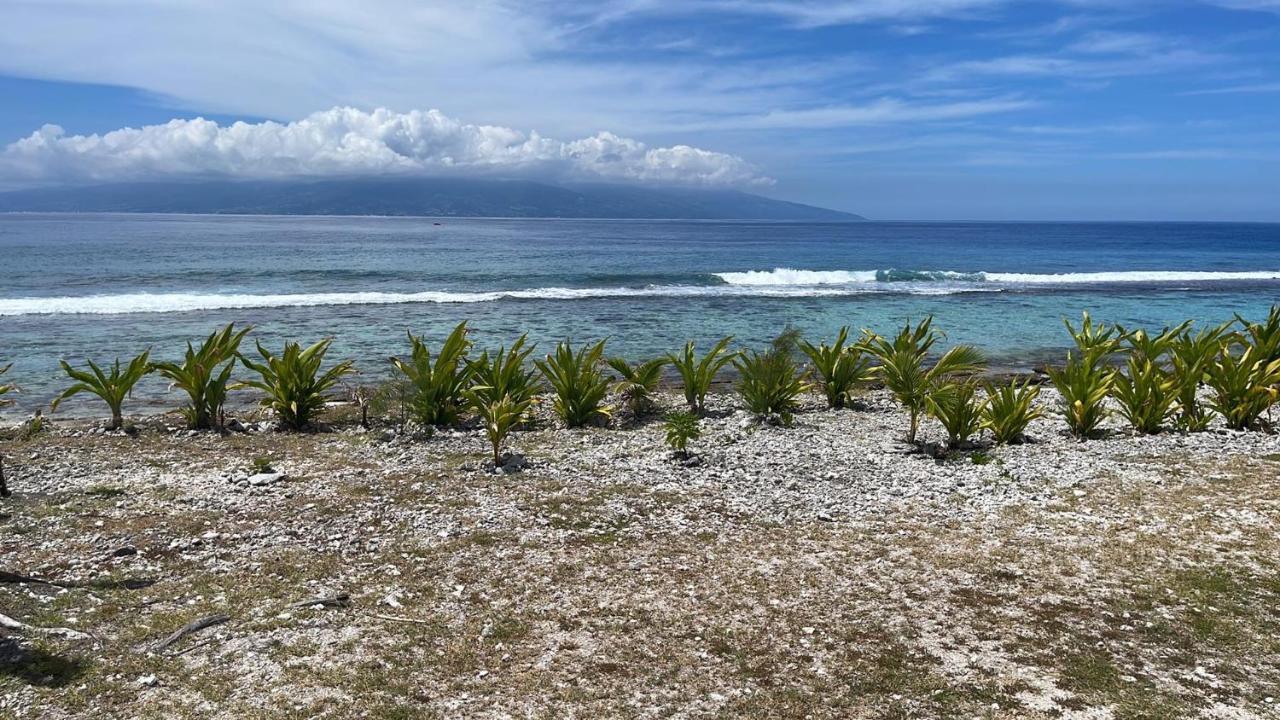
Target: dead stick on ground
x,y
13,625
338,600
402,619
193,627
197,646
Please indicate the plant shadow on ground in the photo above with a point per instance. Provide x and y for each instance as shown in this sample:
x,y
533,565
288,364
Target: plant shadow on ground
x,y
33,665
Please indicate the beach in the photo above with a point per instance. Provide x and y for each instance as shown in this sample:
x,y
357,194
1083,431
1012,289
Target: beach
x,y
825,569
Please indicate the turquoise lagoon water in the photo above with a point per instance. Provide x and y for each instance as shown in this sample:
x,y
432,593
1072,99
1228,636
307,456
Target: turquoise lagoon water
x,y
102,285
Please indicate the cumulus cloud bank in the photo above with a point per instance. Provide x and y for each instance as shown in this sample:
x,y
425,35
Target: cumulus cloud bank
x,y
345,142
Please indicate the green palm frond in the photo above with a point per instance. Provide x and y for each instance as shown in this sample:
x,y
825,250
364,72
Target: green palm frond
x,y
6,388
698,373
504,373
638,382
1084,383
1245,385
903,370
578,381
204,375
112,387
438,384
955,405
500,414
838,368
1010,409
293,385
770,383
1146,394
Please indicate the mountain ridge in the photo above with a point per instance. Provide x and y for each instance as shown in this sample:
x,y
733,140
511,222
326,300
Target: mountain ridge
x,y
423,197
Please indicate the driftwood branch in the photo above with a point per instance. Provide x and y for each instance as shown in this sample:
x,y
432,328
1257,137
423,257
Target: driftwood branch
x,y
17,626
100,584
338,600
193,627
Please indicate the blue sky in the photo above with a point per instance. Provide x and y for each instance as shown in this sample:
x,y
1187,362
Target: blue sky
x,y
896,109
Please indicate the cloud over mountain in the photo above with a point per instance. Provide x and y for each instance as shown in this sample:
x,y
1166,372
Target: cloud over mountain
x,y
344,142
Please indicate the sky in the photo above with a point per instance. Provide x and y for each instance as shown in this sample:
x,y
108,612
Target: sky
x,y
893,109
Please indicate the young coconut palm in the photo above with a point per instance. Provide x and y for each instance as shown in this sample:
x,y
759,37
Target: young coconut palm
x,y
838,368
1189,358
437,386
5,389
770,383
112,387
500,415
579,383
1265,336
1146,394
637,383
205,375
681,427
295,388
697,373
1010,409
1245,385
1096,341
504,373
1084,383
1145,346
955,405
902,366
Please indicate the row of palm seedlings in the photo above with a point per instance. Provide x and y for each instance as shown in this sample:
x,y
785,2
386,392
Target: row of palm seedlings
x,y
1178,378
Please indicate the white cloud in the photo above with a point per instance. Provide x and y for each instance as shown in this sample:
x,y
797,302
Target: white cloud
x,y
349,142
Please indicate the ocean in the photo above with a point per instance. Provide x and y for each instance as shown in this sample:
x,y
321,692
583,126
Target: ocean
x,y
76,286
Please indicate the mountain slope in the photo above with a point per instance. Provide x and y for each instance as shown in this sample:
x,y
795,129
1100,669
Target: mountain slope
x,y
444,197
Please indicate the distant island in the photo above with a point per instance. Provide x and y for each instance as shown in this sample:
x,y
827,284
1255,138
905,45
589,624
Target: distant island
x,y
431,197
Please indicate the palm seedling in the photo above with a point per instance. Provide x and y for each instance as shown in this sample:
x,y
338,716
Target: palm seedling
x,y
1265,336
637,382
205,375
902,366
113,387
1146,394
770,382
295,388
681,427
955,405
838,368
1009,410
502,392
1142,345
1095,340
578,381
437,385
1244,385
500,415
5,389
1189,358
697,373
504,373
1084,383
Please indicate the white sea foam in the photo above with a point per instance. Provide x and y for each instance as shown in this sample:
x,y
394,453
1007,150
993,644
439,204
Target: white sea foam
x,y
777,283
187,302
781,277
1132,276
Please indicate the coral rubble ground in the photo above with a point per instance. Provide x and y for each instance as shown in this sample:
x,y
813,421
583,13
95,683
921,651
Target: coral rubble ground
x,y
820,570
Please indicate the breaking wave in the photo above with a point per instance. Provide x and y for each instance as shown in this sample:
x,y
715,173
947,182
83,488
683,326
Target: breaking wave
x,y
776,283
789,276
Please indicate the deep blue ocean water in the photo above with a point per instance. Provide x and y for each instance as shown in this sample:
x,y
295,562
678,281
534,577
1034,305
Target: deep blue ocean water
x,y
101,285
